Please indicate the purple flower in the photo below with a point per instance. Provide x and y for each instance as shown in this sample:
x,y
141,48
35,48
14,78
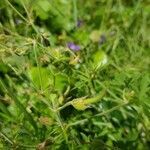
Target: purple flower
x,y
79,23
73,46
102,39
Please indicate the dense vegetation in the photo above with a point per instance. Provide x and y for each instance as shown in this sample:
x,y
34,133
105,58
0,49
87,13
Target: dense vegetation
x,y
74,74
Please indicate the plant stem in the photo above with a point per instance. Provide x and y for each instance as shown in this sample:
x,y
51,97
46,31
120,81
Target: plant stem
x,y
6,138
29,18
58,119
29,22
95,99
97,115
7,1
75,12
36,59
65,105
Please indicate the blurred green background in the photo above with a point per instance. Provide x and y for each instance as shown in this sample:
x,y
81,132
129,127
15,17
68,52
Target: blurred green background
x,y
49,89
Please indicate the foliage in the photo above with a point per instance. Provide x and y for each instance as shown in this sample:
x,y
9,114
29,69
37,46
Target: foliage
x,y
90,98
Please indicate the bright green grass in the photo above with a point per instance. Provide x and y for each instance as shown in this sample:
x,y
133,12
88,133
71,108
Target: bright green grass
x,y
44,86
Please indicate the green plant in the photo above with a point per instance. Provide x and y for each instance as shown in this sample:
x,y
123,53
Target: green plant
x,y
74,77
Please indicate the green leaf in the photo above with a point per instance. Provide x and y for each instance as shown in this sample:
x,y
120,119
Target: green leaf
x,y
61,81
41,77
42,8
82,38
99,59
83,102
144,86
3,67
95,35
4,109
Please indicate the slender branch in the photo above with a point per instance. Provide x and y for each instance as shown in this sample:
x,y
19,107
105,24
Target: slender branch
x,y
27,146
64,106
97,115
75,12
